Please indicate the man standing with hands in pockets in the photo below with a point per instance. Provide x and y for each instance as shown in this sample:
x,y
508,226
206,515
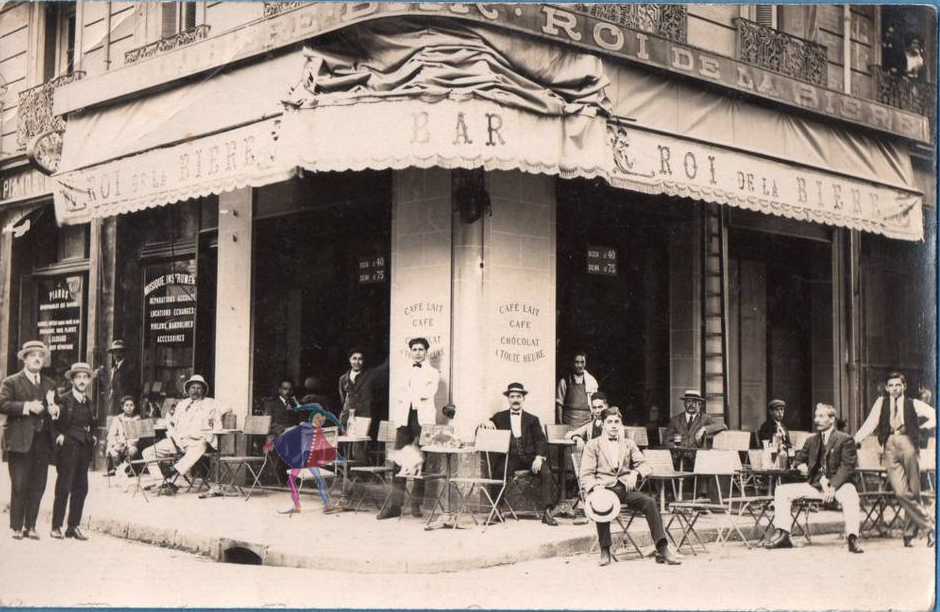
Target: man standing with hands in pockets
x,y
28,400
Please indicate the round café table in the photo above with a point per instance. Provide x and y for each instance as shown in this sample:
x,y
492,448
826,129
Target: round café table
x,y
448,452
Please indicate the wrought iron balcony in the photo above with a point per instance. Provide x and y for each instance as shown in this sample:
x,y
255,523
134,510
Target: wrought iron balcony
x,y
903,92
667,20
186,37
781,52
272,9
34,113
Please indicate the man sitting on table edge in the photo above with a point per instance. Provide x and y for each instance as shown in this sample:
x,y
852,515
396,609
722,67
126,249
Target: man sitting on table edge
x,y
611,466
595,425
528,448
828,460
191,430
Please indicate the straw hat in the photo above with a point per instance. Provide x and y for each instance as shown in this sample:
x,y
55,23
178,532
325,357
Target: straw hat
x,y
602,505
196,378
78,366
30,346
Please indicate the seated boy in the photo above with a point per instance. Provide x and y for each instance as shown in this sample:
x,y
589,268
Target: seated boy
x,y
121,447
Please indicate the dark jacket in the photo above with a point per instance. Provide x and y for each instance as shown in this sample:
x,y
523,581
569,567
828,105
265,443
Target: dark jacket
x,y
688,430
19,429
76,420
281,417
358,395
768,429
838,461
113,387
533,440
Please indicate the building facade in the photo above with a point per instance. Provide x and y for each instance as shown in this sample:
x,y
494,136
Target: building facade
x,y
734,198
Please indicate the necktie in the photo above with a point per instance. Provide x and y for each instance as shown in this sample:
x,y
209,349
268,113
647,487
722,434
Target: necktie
x,y
822,451
895,421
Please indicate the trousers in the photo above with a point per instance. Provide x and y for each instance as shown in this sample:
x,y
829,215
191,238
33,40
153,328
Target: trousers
x,y
28,473
546,484
71,485
901,461
638,502
166,449
784,495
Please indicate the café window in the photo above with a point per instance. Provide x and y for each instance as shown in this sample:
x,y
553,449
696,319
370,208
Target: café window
x,y
177,17
169,308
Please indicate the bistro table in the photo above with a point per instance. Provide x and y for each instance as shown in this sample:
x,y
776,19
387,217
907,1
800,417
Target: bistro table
x,y
218,489
684,455
448,452
661,478
564,444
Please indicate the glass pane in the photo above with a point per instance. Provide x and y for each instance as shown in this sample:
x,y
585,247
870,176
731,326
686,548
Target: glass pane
x,y
59,319
169,322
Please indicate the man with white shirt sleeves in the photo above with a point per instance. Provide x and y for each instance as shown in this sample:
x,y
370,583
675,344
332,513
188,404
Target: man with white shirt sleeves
x,y
528,447
414,406
828,460
574,393
894,418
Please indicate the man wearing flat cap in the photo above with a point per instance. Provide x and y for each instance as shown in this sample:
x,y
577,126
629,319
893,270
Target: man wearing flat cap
x,y
413,406
773,429
118,381
689,428
75,443
28,400
191,429
528,447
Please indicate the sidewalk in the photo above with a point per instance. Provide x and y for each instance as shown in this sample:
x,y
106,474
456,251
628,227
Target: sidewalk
x,y
346,541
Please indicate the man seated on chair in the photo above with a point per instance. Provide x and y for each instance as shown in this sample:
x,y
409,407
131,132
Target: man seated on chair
x,y
773,428
190,430
613,463
528,448
122,448
828,460
689,428
595,425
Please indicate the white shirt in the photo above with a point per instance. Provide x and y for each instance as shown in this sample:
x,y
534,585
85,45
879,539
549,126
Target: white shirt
x,y
416,389
871,423
825,436
353,375
190,420
515,422
78,396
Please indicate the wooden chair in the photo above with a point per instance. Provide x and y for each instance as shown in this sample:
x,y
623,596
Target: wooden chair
x,y
488,442
664,471
233,465
638,435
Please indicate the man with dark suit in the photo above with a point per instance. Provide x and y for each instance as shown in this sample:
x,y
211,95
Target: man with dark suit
x,y
28,400
75,442
528,448
691,427
828,460
281,410
774,426
612,462
119,381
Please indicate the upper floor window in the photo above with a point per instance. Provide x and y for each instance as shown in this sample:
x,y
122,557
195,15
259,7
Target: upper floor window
x,y
177,17
59,51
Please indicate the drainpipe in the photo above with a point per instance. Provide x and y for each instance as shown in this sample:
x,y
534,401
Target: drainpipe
x,y
847,48
107,38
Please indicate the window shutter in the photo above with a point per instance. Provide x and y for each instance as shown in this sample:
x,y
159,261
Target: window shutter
x,y
764,15
189,15
169,19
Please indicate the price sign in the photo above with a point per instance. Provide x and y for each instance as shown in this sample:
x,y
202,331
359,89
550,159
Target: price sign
x,y
371,270
602,261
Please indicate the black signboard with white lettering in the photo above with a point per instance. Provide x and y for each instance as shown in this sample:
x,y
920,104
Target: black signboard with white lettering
x,y
170,302
602,260
371,270
59,318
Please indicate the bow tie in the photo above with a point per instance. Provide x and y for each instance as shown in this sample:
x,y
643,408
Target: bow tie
x,y
514,412
416,365
612,438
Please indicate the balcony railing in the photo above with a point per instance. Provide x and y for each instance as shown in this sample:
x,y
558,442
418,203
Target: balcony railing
x,y
34,113
186,37
781,52
272,9
667,20
904,92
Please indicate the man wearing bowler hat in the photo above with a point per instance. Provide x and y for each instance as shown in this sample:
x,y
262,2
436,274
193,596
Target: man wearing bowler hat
x,y
190,429
118,381
611,467
75,443
28,400
528,448
689,428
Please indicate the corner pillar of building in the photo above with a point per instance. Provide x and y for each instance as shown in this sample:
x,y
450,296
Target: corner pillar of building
x,y
685,311
6,286
234,294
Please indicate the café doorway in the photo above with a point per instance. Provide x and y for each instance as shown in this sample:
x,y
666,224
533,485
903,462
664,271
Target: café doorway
x,y
781,325
321,281
613,292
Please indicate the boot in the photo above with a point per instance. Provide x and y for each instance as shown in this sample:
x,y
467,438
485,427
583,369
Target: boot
x,y
854,546
780,539
548,519
393,507
666,555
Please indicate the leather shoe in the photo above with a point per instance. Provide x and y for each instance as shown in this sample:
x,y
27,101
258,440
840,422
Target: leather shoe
x,y
76,533
605,557
854,546
908,541
780,539
56,533
16,534
31,534
548,519
931,538
388,512
667,556
416,511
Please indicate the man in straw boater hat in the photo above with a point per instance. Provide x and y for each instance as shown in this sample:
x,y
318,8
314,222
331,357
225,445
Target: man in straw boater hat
x,y
528,447
75,442
190,430
28,400
611,467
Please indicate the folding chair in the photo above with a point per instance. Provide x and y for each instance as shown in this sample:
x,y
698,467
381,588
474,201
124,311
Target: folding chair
x,y
732,440
664,471
877,501
638,435
661,431
624,519
233,465
304,474
366,475
488,442
144,429
560,467
408,496
798,438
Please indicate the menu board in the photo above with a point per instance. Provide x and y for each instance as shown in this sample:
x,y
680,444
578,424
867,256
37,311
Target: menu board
x,y
170,308
59,320
371,270
602,260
